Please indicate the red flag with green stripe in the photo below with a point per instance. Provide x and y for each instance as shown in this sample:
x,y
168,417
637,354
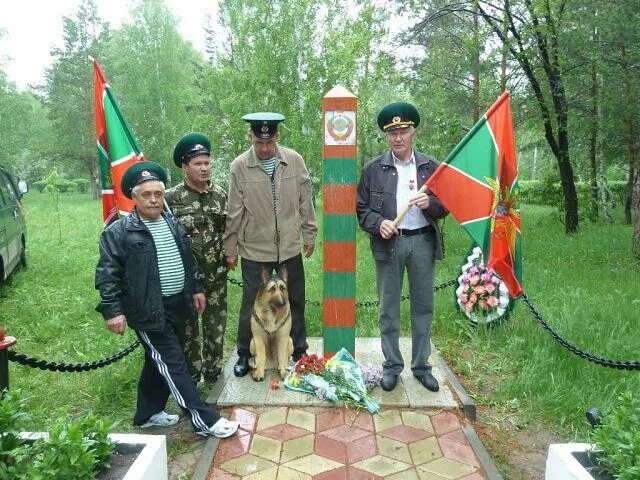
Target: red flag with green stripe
x,y
117,148
478,183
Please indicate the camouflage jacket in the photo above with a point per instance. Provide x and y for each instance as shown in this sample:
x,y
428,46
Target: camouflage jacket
x,y
203,216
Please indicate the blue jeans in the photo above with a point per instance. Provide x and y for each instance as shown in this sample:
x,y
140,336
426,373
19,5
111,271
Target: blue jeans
x,y
416,255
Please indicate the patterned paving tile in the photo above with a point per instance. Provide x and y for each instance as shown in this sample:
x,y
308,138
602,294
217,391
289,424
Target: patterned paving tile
x,y
447,468
425,451
271,418
330,448
417,420
457,436
424,475
363,420
387,419
284,432
246,465
217,474
457,451
347,473
285,473
312,464
345,434
266,447
302,419
233,447
445,422
394,449
382,466
296,448
473,476
270,473
410,474
329,419
365,447
246,418
405,434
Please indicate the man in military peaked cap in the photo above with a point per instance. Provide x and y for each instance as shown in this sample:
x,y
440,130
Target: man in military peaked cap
x,y
387,185
270,219
148,279
201,208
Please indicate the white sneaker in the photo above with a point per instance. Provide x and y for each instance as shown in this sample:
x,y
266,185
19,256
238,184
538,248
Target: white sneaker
x,y
223,428
161,419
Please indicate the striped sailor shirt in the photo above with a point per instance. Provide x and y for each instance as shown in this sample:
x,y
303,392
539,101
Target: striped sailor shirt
x,y
169,260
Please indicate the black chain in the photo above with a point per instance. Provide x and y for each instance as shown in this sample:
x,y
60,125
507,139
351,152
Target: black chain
x,y
23,359
619,364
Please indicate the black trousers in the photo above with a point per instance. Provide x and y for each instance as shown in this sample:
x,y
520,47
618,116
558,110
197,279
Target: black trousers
x,y
251,280
165,370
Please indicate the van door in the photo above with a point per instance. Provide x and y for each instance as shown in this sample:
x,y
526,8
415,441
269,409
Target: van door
x,y
10,242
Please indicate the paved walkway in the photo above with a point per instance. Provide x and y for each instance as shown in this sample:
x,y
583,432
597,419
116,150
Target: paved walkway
x,y
289,435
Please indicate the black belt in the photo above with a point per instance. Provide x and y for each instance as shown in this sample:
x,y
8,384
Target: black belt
x,y
403,232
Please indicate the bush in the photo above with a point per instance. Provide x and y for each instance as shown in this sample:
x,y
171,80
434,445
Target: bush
x,y
549,192
81,184
618,438
73,449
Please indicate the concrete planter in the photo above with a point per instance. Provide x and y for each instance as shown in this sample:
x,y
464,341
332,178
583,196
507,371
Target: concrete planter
x,y
151,462
562,465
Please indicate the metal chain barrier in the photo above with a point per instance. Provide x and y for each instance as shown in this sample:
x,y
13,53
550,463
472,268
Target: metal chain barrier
x,y
619,364
23,359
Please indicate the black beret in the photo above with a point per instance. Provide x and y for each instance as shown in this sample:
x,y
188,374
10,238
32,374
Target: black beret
x,y
141,172
264,124
189,146
398,115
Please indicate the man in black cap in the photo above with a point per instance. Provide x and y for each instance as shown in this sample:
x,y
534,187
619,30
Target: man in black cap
x,y
201,207
270,219
387,185
148,280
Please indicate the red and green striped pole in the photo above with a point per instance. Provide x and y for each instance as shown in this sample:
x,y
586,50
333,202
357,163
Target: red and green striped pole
x,y
339,108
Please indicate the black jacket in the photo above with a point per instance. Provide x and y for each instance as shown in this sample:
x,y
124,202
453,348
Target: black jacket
x,y
127,274
376,201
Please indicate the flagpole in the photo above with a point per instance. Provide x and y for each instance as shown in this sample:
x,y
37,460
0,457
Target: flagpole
x,y
406,209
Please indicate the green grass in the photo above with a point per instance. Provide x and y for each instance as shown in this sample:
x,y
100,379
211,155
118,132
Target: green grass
x,y
585,286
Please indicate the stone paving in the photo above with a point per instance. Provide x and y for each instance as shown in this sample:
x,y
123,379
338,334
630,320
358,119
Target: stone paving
x,y
289,435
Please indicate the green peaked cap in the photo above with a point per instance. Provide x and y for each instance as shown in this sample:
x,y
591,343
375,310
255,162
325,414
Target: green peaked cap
x,y
190,145
398,115
264,124
141,172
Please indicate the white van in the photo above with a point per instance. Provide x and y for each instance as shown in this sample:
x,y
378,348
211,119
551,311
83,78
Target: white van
x,y
13,228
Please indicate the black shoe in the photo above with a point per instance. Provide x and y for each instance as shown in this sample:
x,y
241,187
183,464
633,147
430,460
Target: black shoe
x,y
241,368
299,355
389,382
429,382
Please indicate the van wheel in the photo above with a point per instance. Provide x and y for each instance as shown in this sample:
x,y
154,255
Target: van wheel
x,y
23,257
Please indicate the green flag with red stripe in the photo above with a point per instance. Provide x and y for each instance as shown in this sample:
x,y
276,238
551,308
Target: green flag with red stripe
x,y
117,148
478,183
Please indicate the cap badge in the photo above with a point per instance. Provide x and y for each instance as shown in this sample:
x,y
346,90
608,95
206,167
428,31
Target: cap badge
x,y
145,173
198,146
396,119
264,128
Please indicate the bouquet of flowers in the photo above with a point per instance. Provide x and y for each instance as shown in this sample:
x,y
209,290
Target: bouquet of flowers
x,y
481,293
339,378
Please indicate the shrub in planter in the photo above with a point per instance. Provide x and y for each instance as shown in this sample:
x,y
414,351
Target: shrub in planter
x,y
617,439
71,450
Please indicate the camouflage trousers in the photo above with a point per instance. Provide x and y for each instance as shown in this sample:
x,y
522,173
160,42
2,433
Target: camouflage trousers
x,y
204,337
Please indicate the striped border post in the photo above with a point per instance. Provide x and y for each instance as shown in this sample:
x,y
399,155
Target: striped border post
x,y
339,152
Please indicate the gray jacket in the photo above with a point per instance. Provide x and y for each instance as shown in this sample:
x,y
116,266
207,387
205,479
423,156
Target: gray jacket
x,y
376,201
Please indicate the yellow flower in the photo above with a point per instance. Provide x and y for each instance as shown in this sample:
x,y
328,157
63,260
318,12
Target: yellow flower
x,y
294,379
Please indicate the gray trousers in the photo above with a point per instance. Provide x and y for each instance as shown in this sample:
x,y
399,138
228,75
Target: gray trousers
x,y
416,255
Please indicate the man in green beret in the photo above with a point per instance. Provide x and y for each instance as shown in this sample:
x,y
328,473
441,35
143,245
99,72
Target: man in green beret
x,y
201,207
270,220
387,185
148,279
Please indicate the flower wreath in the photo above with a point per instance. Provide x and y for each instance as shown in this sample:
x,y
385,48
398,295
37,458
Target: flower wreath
x,y
481,295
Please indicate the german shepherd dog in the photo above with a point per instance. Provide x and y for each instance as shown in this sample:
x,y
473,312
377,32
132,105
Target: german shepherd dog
x,y
271,345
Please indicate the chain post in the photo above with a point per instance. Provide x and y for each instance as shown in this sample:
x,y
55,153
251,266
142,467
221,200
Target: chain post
x,y
5,343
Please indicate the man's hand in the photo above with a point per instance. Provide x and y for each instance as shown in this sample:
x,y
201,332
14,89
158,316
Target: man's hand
x,y
421,201
388,229
117,324
308,250
232,261
199,302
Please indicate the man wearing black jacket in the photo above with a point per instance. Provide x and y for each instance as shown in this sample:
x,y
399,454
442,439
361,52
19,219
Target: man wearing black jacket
x,y
389,183
148,279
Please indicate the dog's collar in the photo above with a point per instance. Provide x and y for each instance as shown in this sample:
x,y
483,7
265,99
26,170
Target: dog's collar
x,y
255,315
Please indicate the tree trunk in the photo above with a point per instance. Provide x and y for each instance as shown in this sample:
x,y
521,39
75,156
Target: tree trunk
x,y
593,146
636,231
632,153
475,113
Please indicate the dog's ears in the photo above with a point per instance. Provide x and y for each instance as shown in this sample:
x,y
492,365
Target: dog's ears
x,y
265,274
283,273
